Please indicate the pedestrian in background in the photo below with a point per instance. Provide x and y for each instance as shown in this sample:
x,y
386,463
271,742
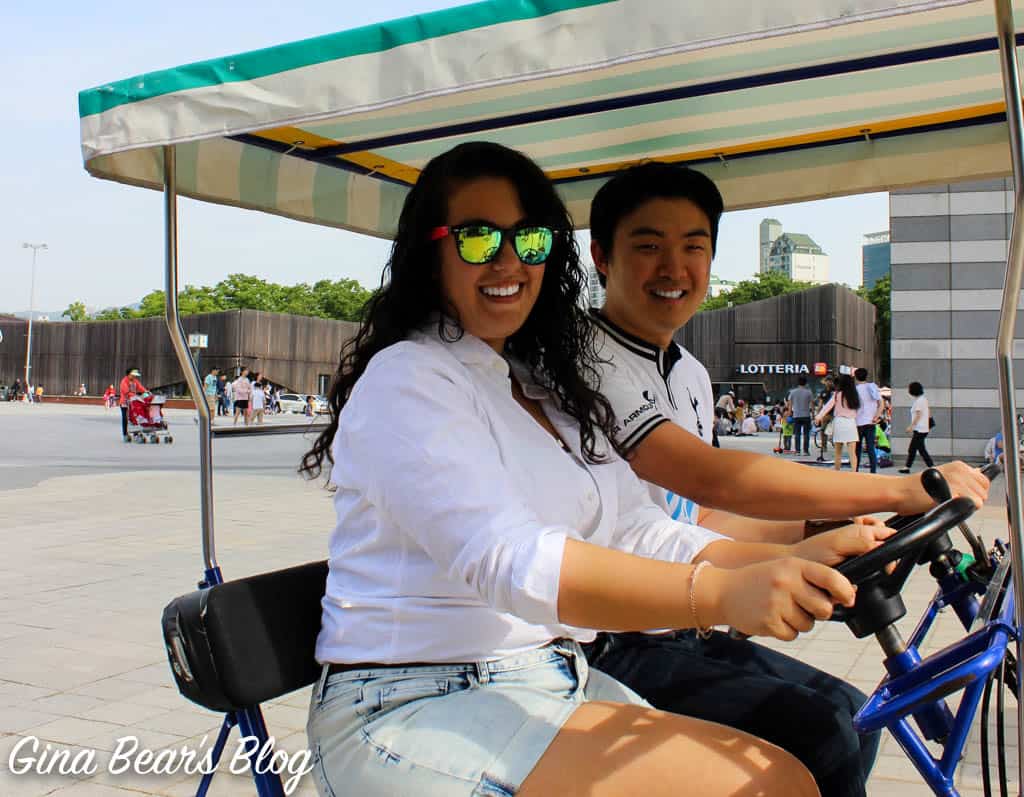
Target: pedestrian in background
x,y
130,386
109,397
229,397
725,402
258,401
210,391
868,415
799,406
241,392
920,424
222,395
843,404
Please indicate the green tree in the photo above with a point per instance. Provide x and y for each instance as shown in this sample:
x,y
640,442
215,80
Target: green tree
x,y
245,292
342,299
764,286
880,296
76,312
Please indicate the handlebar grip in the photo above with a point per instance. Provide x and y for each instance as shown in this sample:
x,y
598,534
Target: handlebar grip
x,y
935,485
991,471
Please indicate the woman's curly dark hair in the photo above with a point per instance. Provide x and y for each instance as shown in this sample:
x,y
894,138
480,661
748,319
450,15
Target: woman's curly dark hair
x,y
556,342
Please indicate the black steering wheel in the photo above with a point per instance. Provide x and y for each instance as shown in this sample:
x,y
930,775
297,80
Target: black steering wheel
x,y
914,534
878,602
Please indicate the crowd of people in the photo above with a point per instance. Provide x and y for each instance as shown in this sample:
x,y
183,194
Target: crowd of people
x,y
526,490
248,396
22,391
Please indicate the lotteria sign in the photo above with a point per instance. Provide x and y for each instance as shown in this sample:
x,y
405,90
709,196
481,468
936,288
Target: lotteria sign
x,y
775,368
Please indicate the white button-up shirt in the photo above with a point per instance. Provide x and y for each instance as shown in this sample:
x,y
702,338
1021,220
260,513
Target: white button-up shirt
x,y
454,506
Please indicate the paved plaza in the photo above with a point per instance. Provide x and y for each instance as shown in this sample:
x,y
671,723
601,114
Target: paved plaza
x,y
97,536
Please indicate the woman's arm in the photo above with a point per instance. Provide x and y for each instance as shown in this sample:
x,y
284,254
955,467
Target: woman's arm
x,y
824,410
611,590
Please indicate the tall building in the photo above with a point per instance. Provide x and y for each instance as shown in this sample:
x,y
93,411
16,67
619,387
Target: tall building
x,y
595,293
770,230
949,248
799,257
875,257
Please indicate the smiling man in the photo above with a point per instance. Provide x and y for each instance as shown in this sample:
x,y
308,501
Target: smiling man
x,y
653,231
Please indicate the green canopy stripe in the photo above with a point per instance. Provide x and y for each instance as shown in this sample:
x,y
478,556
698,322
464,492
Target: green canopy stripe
x,y
332,47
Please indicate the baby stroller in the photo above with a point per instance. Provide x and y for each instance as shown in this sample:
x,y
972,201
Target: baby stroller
x,y
146,422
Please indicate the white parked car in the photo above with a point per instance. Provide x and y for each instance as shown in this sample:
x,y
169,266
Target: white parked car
x,y
292,402
296,402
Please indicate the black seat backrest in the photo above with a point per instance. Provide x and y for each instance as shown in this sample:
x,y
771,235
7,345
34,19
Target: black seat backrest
x,y
242,642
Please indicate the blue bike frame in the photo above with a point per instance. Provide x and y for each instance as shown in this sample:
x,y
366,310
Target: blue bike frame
x,y
918,688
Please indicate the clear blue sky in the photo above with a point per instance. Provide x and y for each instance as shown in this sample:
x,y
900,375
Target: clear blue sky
x,y
105,239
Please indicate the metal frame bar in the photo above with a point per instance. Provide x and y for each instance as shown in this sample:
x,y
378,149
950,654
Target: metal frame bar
x,y
1007,318
184,355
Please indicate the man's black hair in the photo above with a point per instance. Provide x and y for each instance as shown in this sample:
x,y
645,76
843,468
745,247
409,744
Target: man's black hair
x,y
629,189
861,374
801,380
915,389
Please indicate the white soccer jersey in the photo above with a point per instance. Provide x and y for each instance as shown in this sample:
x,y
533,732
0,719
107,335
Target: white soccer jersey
x,y
647,387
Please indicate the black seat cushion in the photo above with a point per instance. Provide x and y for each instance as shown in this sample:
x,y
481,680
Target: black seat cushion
x,y
242,642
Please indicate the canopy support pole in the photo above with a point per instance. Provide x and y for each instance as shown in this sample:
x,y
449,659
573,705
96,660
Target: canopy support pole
x,y
187,363
1004,342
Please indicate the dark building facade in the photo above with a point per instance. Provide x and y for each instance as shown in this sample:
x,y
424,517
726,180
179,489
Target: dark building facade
x,y
763,347
296,352
876,255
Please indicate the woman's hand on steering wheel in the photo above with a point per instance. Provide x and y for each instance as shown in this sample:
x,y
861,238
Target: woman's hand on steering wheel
x,y
780,598
832,547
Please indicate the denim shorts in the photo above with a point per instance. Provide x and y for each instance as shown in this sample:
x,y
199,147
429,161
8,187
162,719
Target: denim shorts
x,y
451,730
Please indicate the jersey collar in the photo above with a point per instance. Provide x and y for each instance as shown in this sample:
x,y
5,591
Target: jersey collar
x,y
663,358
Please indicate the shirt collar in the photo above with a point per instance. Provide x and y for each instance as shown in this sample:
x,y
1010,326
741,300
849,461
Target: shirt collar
x,y
664,358
466,348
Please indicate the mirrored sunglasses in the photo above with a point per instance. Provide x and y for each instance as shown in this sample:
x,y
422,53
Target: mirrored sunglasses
x,y
479,243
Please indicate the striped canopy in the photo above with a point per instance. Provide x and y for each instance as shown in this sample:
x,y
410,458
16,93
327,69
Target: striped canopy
x,y
777,102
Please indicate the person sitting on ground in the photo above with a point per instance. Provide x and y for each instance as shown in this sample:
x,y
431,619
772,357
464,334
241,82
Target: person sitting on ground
x,y
764,422
653,235
994,448
749,426
485,521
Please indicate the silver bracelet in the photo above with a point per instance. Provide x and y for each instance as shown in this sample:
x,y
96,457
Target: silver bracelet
x,y
704,632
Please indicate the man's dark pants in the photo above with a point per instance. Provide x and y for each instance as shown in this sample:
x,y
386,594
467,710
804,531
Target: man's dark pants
x,y
747,686
804,425
866,440
124,421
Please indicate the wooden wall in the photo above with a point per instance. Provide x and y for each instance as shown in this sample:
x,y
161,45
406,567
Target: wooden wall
x,y
290,350
829,324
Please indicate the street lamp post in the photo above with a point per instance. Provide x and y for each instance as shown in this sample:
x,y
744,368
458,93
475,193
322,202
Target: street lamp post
x,y
31,310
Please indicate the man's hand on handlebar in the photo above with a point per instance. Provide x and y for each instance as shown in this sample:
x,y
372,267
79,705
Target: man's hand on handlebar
x,y
832,547
963,480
